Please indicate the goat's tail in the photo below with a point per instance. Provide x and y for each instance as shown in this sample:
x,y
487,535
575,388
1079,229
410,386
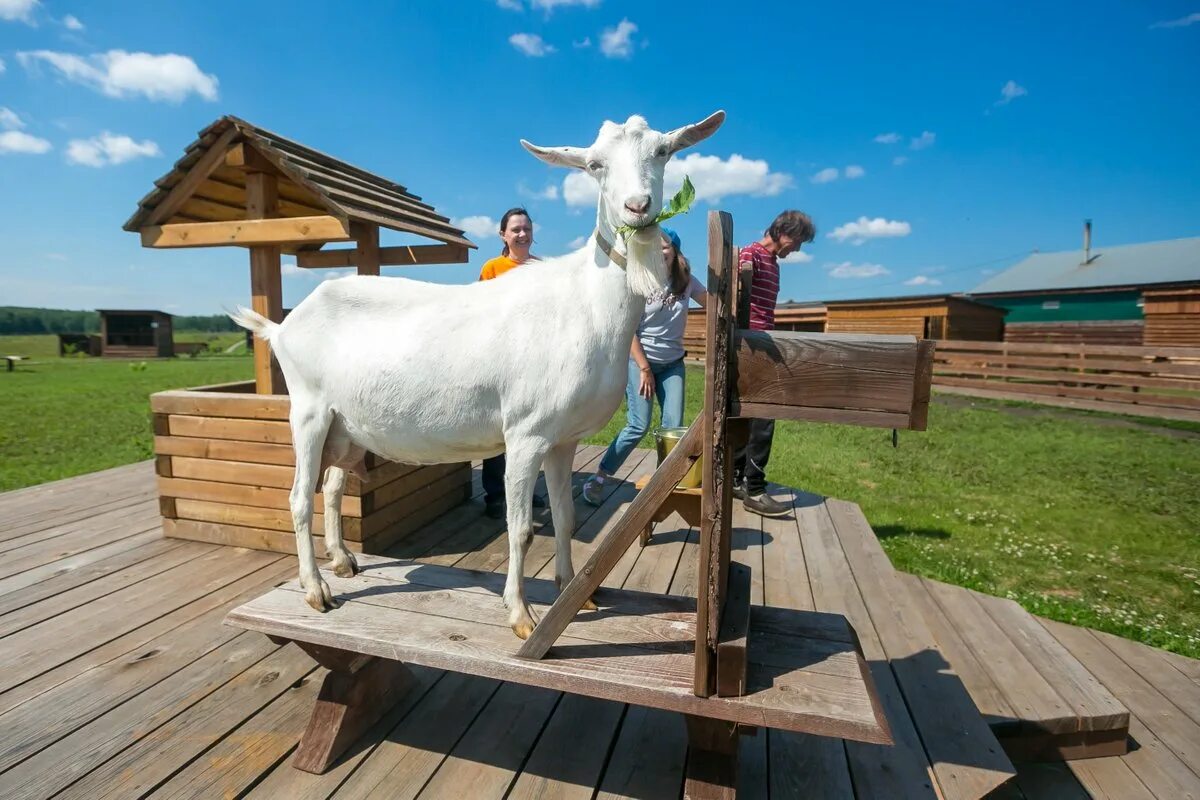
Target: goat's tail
x,y
262,327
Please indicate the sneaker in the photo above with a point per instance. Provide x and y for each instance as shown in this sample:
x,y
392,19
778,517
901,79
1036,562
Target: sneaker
x,y
495,509
765,505
593,488
739,489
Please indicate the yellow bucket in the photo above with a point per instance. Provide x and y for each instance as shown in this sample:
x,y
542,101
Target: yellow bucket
x,y
665,440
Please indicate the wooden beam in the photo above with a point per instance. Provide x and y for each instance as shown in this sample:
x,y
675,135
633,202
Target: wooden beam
x,y
266,282
605,557
244,156
366,251
405,256
716,502
192,179
251,232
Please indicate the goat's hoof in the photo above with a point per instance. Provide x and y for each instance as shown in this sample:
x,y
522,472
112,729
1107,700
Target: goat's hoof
x,y
319,597
522,629
345,566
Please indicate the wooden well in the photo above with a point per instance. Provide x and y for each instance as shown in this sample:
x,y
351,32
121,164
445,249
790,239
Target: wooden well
x,y
223,453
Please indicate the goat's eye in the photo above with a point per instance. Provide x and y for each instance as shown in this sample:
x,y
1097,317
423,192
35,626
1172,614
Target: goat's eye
x,y
594,166
662,152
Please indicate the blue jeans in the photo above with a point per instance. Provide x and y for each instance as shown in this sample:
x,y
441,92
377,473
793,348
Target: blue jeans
x,y
668,387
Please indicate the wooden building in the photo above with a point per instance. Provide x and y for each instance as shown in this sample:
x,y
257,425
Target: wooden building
x,y
925,316
223,453
807,317
1097,296
135,334
1172,317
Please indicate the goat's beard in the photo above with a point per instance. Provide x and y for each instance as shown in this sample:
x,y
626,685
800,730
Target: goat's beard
x,y
644,269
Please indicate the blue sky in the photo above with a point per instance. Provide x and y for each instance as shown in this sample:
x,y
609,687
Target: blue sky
x,y
1003,126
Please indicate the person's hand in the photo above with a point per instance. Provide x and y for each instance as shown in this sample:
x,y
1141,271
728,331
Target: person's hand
x,y
646,384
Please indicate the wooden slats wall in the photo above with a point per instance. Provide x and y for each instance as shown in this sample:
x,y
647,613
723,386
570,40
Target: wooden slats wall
x,y
1163,377
225,468
1093,333
1172,318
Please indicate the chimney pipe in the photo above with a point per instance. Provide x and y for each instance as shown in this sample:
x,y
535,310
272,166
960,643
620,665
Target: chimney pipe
x,y
1087,241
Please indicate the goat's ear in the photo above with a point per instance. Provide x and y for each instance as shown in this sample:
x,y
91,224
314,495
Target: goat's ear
x,y
689,135
558,156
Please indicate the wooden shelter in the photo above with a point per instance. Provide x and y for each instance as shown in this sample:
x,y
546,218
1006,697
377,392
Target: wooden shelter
x,y
224,455
925,316
1172,317
126,333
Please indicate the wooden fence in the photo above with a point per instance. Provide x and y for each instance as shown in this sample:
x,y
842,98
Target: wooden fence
x,y
1155,381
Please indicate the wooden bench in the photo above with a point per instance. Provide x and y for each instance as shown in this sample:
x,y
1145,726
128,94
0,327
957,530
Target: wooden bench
x,y
12,361
726,667
804,670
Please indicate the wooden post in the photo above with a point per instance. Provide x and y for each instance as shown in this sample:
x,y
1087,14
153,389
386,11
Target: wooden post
x,y
716,482
366,250
266,286
712,759
357,691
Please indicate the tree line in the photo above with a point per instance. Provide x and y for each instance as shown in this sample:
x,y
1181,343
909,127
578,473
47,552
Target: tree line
x,y
19,320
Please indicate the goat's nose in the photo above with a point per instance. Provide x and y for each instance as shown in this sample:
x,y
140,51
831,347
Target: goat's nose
x,y
638,204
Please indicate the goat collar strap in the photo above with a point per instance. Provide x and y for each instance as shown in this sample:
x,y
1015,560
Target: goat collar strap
x,y
609,250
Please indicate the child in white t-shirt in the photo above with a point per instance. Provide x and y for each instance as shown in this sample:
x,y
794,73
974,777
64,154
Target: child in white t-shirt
x,y
655,365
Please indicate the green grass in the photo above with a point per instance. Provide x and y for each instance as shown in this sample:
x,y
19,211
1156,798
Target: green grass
x,y
1085,522
69,416
37,346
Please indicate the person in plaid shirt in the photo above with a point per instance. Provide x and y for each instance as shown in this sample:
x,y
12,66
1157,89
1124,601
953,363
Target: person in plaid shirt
x,y
789,230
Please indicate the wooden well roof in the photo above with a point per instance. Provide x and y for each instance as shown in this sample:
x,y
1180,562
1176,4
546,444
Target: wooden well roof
x,y
203,187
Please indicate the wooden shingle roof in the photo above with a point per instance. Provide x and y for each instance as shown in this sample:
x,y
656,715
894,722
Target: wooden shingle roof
x,y
311,183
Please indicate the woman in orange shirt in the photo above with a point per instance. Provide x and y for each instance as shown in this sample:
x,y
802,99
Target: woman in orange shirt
x,y
516,229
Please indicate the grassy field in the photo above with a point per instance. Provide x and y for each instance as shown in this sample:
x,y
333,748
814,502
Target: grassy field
x,y
1085,518
68,416
1082,518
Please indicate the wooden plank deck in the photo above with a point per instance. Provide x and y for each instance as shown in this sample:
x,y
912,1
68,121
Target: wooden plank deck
x,y
117,678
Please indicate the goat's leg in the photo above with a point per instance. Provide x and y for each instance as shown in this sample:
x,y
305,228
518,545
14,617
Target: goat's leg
x,y
309,428
523,458
557,465
341,559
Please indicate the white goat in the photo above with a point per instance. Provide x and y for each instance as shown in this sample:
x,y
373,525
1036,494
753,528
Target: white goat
x,y
527,364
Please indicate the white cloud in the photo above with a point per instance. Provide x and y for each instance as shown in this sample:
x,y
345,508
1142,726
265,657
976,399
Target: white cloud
x,y
550,5
577,242
582,43
289,269
862,229
899,161
827,175
887,138
108,149
21,142
72,23
922,280
480,226
2,66
510,5
1009,92
57,257
169,77
796,257
9,120
530,44
847,269
548,193
18,11
926,139
580,189
618,42
715,178
1182,22
854,171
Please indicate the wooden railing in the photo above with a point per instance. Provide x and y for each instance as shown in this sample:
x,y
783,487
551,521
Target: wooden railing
x,y
1151,377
